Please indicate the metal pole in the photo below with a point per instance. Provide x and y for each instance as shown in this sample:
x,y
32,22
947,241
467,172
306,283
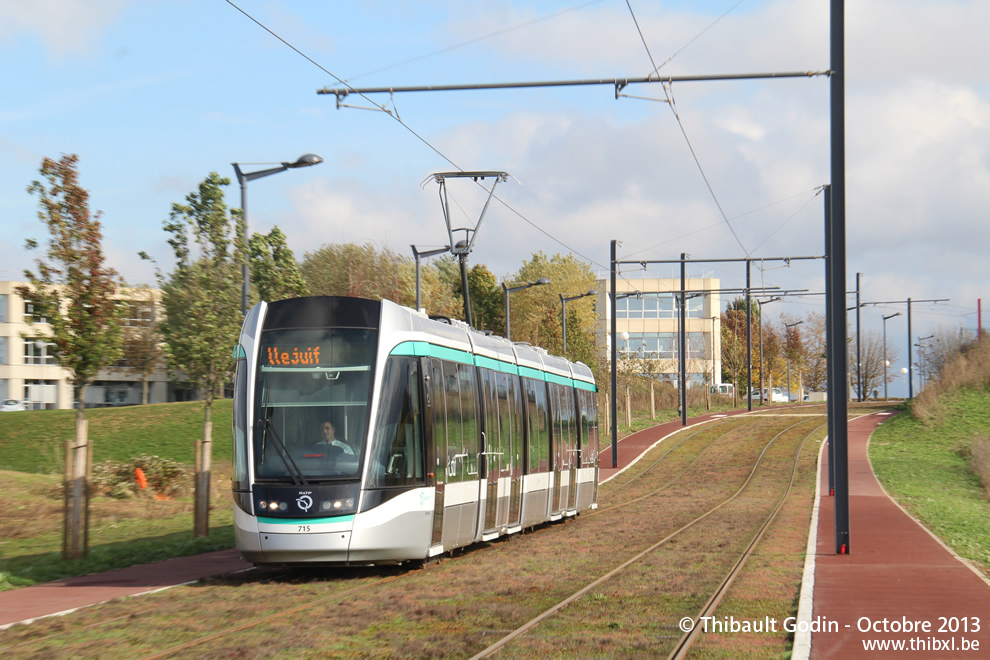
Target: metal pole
x,y
467,291
615,423
884,358
563,320
419,296
859,358
829,342
245,271
506,290
682,353
837,324
749,341
910,358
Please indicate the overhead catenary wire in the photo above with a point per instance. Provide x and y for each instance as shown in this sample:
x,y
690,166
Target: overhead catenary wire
x,y
673,108
398,119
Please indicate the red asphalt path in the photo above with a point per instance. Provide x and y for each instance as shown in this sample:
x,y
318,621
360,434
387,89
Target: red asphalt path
x,y
896,571
28,603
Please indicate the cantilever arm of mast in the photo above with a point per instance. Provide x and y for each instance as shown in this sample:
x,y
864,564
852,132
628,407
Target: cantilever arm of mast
x,y
618,83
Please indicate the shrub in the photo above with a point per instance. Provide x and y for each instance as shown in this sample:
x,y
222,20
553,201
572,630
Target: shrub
x,y
969,368
118,480
980,460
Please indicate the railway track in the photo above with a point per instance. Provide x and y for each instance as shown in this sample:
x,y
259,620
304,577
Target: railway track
x,y
626,523
684,643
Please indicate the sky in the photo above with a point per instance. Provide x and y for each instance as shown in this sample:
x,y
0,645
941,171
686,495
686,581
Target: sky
x,y
154,95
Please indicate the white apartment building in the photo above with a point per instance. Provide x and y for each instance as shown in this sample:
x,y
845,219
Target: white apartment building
x,y
28,371
647,327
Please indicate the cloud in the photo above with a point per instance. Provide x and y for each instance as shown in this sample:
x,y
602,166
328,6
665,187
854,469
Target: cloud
x,y
65,27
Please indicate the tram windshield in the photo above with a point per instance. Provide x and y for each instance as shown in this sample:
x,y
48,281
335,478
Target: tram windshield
x,y
313,391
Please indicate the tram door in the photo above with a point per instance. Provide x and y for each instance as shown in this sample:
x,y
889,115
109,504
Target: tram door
x,y
564,448
502,451
438,444
573,446
492,451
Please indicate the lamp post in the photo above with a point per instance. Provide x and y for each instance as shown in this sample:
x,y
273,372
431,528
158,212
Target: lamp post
x,y
788,326
563,312
885,362
512,289
921,356
305,160
417,254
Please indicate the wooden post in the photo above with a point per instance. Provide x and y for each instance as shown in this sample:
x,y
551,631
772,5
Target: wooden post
x,y
653,403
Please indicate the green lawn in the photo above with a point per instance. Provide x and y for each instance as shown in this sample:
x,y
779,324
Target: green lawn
x,y
927,470
33,441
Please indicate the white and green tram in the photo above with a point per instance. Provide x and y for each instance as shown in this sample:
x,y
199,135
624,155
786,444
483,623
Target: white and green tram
x,y
446,436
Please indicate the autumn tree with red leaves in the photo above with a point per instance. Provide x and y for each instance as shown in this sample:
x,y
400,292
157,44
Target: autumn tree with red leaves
x,y
75,292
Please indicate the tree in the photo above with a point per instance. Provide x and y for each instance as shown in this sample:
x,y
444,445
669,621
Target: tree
x,y
535,312
201,299
360,271
74,290
274,271
734,352
814,373
872,365
141,349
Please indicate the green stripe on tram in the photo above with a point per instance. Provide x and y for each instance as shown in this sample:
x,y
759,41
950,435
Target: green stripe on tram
x,y
426,349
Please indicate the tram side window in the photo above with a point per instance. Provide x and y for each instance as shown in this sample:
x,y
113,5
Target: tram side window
x,y
539,438
397,454
239,477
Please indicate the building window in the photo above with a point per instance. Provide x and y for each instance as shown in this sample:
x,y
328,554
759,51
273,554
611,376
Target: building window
x,y
3,352
656,306
33,315
38,351
139,314
3,307
41,394
663,345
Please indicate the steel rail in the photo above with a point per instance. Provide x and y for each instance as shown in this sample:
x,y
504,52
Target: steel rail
x,y
526,627
686,640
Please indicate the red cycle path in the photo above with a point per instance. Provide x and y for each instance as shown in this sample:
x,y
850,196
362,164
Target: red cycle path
x,y
896,571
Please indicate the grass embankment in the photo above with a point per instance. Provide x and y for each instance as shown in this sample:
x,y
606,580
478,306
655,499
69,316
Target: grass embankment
x,y
926,467
33,441
122,532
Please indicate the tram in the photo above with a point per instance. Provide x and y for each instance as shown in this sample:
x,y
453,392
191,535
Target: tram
x,y
442,436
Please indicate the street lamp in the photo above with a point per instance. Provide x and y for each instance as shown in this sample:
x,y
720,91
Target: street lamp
x,y
417,254
921,356
788,326
512,289
563,312
885,362
242,178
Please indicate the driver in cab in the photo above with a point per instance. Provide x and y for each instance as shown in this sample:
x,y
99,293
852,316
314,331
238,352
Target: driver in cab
x,y
330,438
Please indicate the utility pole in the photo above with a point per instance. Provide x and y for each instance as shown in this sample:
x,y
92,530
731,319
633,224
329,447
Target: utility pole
x,y
682,340
909,302
836,280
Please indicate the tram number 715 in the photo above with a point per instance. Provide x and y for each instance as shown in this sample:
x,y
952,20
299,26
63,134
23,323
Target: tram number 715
x,y
302,528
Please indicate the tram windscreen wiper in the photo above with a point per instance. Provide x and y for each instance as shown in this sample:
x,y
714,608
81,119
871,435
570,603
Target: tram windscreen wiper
x,y
290,464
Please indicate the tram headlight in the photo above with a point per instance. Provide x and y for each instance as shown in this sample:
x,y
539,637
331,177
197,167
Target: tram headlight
x,y
338,506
